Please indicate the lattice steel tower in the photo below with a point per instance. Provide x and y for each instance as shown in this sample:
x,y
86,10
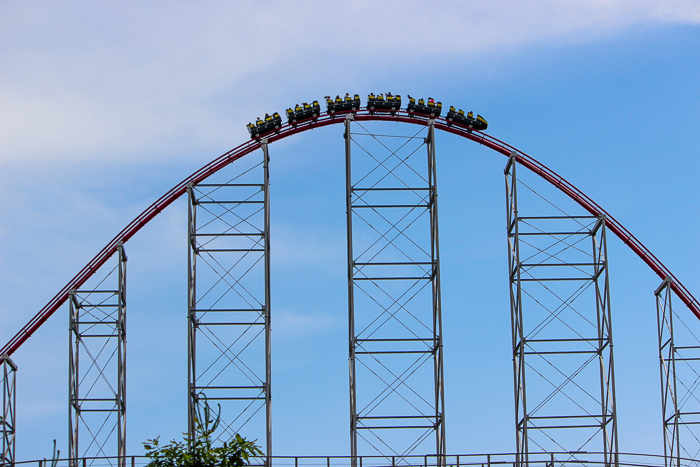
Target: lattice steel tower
x,y
561,332
97,368
679,359
395,323
229,302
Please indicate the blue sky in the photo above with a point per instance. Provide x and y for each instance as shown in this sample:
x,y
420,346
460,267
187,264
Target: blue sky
x,y
106,106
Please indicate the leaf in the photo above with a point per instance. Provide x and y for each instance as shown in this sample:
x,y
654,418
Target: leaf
x,y
201,453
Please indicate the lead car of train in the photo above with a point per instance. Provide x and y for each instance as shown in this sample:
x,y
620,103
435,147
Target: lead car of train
x,y
375,104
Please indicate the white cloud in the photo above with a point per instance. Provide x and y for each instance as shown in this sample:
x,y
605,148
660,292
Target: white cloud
x,y
677,11
114,80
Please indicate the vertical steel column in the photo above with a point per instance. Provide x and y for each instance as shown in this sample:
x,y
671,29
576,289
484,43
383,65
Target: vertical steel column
x,y
440,448
192,396
229,304
351,290
667,364
394,301
552,276
9,399
679,354
605,342
73,379
98,316
516,313
268,324
121,357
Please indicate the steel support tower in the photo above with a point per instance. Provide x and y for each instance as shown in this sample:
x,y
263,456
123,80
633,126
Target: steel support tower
x,y
395,323
9,399
680,378
229,303
97,368
561,332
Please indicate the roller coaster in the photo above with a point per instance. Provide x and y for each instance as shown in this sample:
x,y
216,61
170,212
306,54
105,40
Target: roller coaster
x,y
375,103
370,264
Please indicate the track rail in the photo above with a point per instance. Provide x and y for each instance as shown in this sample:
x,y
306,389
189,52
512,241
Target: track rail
x,y
363,115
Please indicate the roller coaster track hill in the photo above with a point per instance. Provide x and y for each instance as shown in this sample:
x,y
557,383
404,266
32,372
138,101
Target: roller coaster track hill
x,y
361,114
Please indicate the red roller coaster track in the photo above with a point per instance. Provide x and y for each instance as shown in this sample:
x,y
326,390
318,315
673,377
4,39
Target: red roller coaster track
x,y
287,130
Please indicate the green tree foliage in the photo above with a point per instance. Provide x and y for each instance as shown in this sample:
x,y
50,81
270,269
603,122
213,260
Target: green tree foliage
x,y
233,453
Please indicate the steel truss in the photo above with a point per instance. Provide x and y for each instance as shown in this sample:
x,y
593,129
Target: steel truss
x,y
395,322
229,304
561,332
97,381
9,398
680,378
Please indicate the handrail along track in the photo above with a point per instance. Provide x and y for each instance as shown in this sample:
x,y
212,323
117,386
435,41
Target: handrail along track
x,y
537,459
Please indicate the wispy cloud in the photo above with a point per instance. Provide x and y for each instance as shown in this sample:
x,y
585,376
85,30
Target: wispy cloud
x,y
106,80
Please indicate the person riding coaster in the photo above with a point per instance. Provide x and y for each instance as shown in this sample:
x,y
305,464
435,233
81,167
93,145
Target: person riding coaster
x,y
391,103
468,120
346,104
304,111
271,124
433,109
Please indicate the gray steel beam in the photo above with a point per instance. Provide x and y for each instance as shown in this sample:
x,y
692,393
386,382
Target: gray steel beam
x,y
516,312
606,361
9,403
191,313
267,322
440,444
351,289
667,364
